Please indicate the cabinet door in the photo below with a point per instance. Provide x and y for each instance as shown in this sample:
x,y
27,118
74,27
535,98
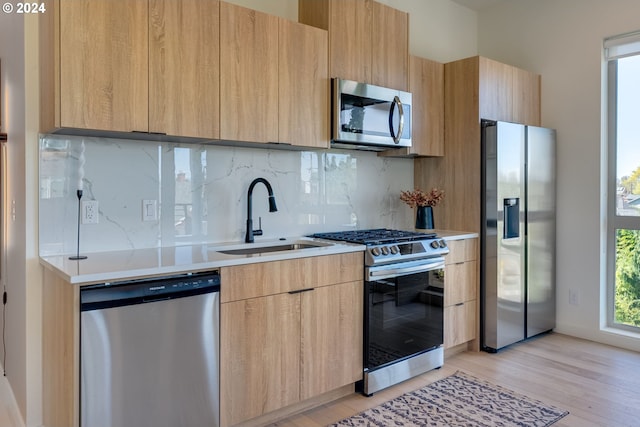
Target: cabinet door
x,y
184,83
104,68
462,250
331,338
303,94
526,97
461,282
427,88
259,356
459,323
390,47
350,39
248,74
496,90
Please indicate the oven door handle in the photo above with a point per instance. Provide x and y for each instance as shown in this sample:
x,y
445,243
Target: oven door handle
x,y
386,272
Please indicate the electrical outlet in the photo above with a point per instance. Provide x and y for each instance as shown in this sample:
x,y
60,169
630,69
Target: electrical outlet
x,y
574,297
89,211
149,210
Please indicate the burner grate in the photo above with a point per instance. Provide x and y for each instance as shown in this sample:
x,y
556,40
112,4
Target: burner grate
x,y
375,236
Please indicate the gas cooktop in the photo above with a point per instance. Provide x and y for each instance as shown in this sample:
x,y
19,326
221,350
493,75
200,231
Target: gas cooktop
x,y
375,236
386,246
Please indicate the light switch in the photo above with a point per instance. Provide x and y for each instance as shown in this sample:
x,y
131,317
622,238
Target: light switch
x,y
149,210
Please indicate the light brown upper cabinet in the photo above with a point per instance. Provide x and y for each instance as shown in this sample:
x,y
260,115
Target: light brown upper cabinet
x,y
426,84
475,88
184,85
273,79
368,41
103,65
248,75
139,66
303,87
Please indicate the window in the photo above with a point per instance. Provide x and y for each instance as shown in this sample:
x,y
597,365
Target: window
x,y
623,233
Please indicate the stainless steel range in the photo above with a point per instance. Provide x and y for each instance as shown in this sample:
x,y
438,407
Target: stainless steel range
x,y
404,291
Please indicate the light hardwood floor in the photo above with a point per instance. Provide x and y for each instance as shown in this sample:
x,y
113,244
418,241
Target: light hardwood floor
x,y
599,385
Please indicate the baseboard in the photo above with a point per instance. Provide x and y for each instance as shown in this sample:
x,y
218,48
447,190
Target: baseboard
x,y
608,336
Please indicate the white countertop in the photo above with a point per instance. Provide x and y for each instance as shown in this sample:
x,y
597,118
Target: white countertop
x,y
129,264
455,235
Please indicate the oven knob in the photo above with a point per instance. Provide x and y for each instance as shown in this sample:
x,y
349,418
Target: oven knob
x,y
385,250
394,250
435,244
443,244
375,251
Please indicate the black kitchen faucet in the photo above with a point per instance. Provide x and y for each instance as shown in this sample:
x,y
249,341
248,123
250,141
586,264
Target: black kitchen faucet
x,y
272,208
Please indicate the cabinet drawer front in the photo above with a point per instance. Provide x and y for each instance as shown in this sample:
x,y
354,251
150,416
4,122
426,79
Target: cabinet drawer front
x,y
459,323
270,278
460,282
462,250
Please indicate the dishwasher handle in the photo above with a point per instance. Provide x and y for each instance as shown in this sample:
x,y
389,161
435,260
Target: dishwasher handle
x,y
145,291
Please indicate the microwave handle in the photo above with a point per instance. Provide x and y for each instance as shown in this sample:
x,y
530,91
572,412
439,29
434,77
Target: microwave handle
x,y
396,137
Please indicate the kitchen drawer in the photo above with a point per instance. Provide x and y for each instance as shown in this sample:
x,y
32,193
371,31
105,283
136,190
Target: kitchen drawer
x,y
270,278
462,250
460,279
459,323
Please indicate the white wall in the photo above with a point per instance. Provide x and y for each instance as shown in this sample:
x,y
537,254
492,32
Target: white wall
x,y
18,51
562,40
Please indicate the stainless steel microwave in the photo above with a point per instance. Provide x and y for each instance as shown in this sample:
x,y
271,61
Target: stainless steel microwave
x,y
369,117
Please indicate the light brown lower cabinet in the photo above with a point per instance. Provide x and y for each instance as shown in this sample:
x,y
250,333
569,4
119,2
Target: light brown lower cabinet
x,y
461,292
298,337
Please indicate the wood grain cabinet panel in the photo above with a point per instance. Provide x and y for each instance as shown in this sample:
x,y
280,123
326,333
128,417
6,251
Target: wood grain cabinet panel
x,y
526,97
293,333
248,74
184,55
260,356
461,292
331,325
368,41
104,65
459,324
390,47
426,84
303,88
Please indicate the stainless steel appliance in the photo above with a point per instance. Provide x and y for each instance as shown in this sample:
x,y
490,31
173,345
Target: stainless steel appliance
x,y
518,233
149,352
369,117
403,293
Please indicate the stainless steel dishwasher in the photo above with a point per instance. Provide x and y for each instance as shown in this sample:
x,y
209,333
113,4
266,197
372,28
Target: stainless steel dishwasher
x,y
149,352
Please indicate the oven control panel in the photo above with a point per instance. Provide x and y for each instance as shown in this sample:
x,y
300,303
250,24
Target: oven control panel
x,y
395,252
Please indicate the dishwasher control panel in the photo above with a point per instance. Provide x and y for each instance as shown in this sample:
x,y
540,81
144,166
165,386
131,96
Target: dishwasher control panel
x,y
112,294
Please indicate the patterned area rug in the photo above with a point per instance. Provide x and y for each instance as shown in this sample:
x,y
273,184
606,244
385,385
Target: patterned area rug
x,y
458,400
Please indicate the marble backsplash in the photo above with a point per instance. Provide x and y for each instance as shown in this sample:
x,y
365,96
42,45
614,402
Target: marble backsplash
x,y
201,192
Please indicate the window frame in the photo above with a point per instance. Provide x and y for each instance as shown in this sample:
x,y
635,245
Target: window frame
x,y
614,221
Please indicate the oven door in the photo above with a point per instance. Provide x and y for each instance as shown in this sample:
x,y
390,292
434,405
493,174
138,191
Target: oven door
x,y
403,310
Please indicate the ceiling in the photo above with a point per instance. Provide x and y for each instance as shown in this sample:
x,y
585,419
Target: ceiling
x,y
477,5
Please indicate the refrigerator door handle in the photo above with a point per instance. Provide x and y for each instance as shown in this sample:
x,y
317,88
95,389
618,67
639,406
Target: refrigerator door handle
x,y
511,223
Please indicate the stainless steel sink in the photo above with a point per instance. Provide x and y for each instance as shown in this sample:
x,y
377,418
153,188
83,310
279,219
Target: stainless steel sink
x,y
275,248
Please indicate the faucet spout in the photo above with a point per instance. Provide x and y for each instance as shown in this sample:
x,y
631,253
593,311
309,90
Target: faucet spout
x,y
272,208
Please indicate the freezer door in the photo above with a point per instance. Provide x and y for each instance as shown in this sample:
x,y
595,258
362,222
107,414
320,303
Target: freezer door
x,y
503,235
541,233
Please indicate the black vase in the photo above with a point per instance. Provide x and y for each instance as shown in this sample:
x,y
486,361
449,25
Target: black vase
x,y
424,217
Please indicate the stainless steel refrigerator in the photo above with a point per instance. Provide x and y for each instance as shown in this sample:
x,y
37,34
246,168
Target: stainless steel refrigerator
x,y
517,271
